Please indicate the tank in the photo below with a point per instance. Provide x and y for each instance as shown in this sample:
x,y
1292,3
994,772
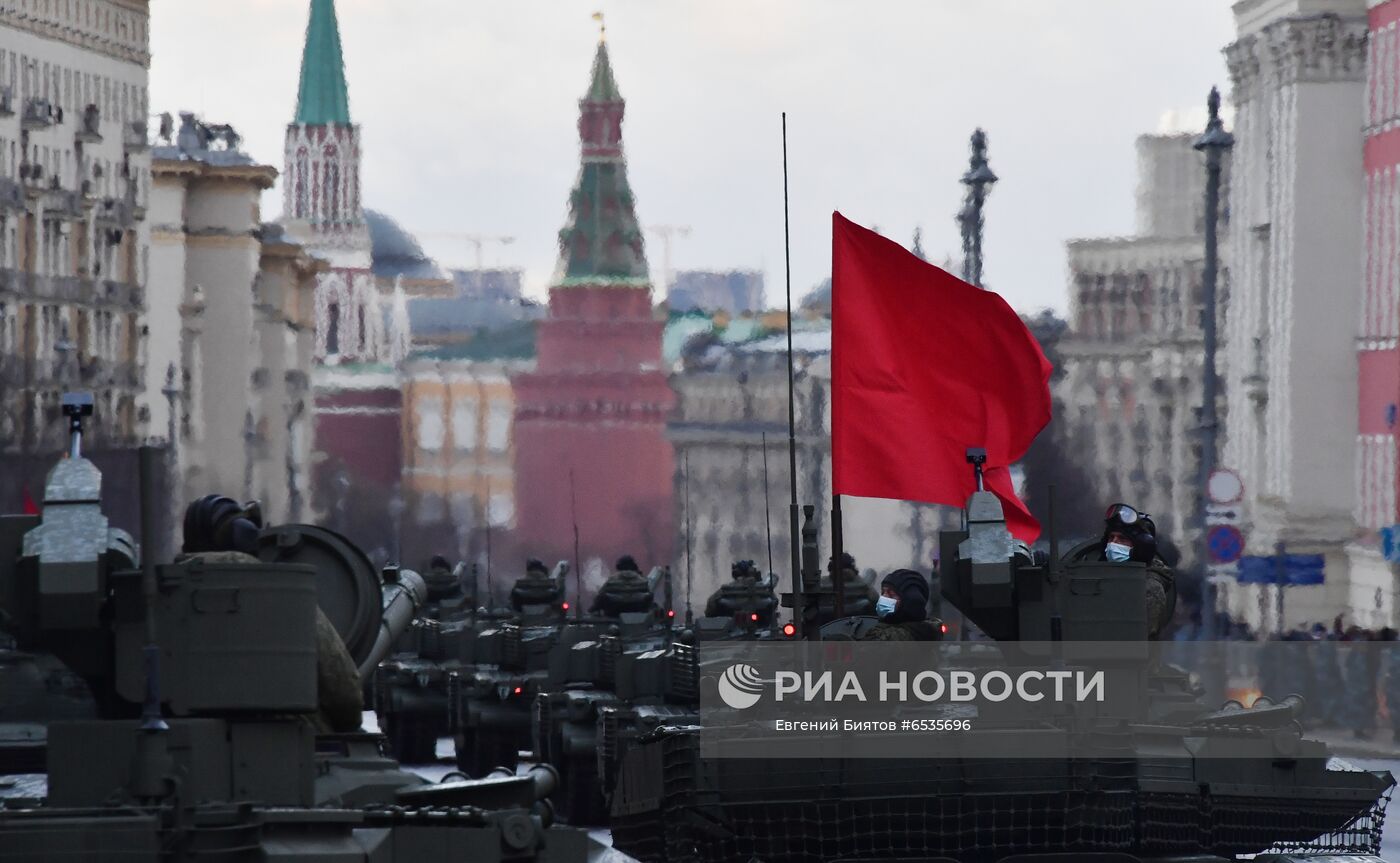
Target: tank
x,y
489,698
1151,789
409,693
38,690
602,695
207,676
583,678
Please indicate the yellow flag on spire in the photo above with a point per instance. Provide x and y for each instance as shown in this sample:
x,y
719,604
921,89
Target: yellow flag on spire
x,y
602,28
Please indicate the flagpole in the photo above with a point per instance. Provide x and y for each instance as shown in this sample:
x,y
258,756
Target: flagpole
x,y
798,604
838,549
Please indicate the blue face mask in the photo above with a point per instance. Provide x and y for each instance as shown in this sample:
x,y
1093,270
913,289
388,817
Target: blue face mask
x,y
885,606
1117,552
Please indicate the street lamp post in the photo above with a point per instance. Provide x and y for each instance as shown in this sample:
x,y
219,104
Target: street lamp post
x,y
979,180
250,441
1214,142
175,483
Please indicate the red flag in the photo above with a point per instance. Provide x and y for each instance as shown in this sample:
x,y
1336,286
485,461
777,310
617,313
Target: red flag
x,y
923,367
30,507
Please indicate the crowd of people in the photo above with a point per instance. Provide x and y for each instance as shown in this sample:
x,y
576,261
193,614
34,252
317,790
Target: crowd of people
x,y
1348,675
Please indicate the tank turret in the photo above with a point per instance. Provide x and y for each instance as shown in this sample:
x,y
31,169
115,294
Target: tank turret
x,y
208,674
1152,773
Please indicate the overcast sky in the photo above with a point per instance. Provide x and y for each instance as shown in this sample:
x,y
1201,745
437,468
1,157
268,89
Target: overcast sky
x,y
469,112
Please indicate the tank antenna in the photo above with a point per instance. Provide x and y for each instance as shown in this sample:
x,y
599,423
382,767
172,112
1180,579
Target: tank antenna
x,y
486,510
798,603
689,568
150,708
768,524
1053,574
152,767
578,571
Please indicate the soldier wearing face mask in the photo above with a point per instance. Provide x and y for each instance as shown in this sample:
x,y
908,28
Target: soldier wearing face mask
x,y
903,609
1131,536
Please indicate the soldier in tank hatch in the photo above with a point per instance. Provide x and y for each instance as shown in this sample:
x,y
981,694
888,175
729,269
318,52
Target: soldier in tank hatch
x,y
1131,536
536,587
626,590
860,596
903,609
218,529
441,580
746,593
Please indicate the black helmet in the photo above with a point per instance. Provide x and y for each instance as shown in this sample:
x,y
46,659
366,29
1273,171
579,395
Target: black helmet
x,y
439,562
847,562
744,569
218,523
626,563
1122,515
535,565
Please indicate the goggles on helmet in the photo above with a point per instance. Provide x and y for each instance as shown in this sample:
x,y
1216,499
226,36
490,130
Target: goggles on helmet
x,y
1123,514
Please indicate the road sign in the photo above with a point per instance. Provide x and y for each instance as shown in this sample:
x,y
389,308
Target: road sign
x,y
1224,486
1295,569
1390,543
1225,543
1217,513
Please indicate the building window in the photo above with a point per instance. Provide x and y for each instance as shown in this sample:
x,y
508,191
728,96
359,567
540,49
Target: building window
x,y
431,509
464,426
500,510
428,419
333,329
301,177
498,427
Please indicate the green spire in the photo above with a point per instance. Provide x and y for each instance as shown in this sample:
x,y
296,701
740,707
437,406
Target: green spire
x,y
602,241
323,99
603,88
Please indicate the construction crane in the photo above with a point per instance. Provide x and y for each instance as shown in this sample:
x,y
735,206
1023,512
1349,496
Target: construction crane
x,y
666,232
477,241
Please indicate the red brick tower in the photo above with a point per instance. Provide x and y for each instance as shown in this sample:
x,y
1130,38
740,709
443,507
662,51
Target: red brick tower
x,y
597,403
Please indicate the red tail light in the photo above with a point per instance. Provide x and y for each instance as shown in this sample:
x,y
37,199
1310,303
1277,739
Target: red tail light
x,y
943,627
518,690
565,606
753,617
671,613
789,630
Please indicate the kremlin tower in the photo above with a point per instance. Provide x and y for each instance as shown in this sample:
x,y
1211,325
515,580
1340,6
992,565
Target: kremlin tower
x,y
321,197
596,405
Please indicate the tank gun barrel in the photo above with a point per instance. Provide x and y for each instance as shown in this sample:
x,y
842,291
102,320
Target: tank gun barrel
x,y
404,592
500,789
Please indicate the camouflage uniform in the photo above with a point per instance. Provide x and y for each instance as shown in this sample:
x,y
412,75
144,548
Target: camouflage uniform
x,y
536,587
914,630
440,580
1161,597
625,590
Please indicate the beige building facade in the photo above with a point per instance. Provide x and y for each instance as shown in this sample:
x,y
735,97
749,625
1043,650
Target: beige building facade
x,y
459,455
233,326
1298,69
74,186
